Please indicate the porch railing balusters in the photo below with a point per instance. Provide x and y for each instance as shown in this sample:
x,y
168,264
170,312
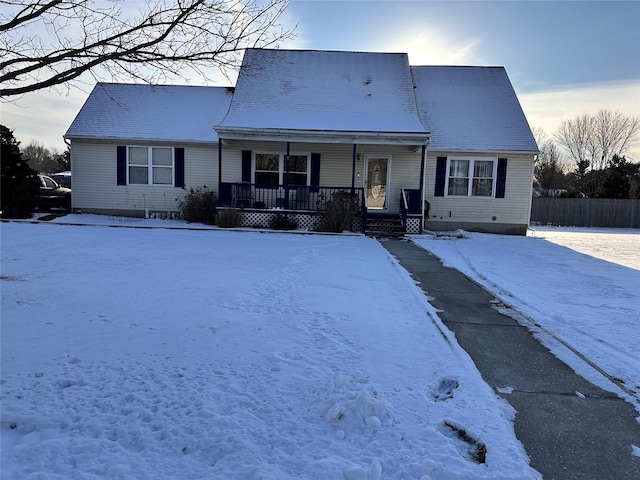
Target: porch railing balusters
x,y
300,198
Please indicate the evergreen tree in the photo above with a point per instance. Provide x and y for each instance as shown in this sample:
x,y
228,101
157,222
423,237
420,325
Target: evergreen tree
x,y
616,178
19,181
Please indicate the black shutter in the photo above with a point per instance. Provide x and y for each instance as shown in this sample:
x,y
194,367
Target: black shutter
x,y
441,176
246,166
314,180
501,177
121,165
179,168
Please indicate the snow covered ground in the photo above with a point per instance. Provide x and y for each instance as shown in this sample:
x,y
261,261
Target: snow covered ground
x,y
198,354
132,353
579,288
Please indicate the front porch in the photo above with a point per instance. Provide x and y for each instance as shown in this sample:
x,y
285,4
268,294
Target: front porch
x,y
260,203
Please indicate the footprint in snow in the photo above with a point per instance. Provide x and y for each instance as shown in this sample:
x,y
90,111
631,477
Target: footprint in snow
x,y
444,390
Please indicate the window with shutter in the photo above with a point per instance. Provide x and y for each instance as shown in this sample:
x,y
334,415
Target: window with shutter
x,y
471,177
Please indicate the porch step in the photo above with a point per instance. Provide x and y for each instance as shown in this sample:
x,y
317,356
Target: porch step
x,y
384,226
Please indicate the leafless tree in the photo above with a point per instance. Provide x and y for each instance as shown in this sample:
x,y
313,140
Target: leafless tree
x,y
549,174
576,138
48,43
613,134
43,159
591,141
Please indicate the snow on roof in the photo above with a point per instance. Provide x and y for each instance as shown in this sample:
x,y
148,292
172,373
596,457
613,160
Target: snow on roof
x,y
471,109
151,113
325,91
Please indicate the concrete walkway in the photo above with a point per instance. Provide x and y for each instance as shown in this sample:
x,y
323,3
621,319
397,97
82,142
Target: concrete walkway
x,y
567,435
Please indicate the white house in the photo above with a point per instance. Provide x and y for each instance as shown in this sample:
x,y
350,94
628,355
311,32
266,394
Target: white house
x,y
423,147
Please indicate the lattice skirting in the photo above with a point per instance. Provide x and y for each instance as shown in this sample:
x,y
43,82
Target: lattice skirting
x,y
256,219
413,224
308,221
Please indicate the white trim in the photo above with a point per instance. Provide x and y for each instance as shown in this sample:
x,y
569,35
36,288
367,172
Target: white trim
x,y
472,160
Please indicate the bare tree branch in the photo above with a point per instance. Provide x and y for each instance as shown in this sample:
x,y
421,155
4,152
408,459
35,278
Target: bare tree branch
x,y
593,140
29,12
166,39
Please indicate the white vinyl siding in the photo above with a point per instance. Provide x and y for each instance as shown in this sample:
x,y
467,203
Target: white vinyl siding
x,y
514,208
95,189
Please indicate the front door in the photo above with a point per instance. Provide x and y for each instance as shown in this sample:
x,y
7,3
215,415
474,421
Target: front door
x,y
377,180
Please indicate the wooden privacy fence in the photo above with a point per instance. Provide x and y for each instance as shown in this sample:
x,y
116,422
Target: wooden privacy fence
x,y
585,212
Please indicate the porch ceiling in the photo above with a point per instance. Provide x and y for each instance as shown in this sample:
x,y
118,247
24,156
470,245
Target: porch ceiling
x,y
415,139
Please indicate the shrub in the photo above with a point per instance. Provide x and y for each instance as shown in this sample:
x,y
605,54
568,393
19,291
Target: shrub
x,y
339,213
199,205
19,183
229,218
283,222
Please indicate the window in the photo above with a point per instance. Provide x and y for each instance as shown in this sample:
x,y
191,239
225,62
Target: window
x,y
298,169
267,171
150,165
470,177
271,169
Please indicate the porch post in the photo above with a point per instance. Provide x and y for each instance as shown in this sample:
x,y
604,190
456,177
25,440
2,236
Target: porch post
x,y
353,172
219,165
421,196
286,177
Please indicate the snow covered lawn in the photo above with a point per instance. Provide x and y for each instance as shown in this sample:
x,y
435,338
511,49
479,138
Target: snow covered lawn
x,y
581,286
180,354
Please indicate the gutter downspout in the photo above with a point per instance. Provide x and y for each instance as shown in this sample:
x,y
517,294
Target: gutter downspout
x,y
68,144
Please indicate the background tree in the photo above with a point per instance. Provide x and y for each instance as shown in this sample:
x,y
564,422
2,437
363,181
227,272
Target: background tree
x,y
592,142
19,182
574,136
163,39
616,178
46,160
613,133
548,175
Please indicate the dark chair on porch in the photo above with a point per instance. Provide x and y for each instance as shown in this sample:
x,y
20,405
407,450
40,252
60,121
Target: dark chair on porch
x,y
244,196
301,198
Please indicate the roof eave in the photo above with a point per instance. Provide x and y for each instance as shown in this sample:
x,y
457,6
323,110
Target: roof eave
x,y
322,136
438,149
96,138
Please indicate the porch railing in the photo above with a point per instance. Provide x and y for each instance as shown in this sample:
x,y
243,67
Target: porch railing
x,y
292,197
409,204
413,200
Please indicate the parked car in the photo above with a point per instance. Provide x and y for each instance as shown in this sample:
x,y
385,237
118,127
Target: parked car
x,y
62,178
52,195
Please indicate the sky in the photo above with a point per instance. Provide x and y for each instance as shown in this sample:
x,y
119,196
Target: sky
x,y
564,58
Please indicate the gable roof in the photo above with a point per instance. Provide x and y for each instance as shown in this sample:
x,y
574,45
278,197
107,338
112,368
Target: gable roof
x,y
471,109
151,113
323,94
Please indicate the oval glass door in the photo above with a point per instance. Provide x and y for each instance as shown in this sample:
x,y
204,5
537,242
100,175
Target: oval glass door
x,y
377,169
